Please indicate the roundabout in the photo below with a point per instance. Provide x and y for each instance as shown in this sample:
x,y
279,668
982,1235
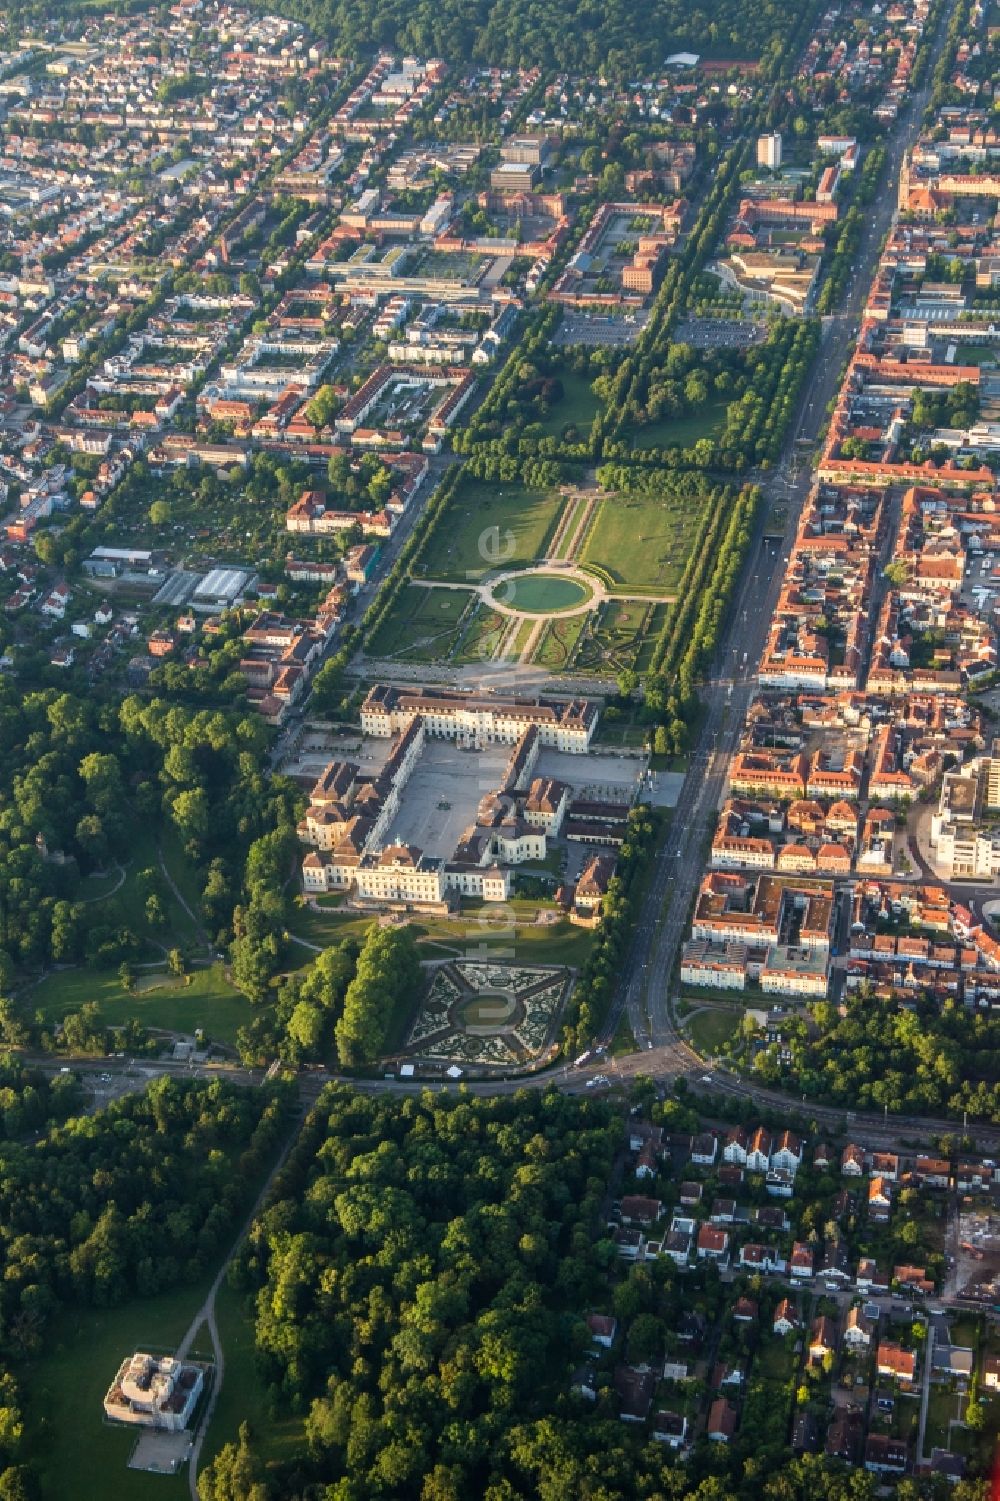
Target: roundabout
x,y
542,592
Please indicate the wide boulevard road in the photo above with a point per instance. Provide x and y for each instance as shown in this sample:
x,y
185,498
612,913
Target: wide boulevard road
x,y
679,861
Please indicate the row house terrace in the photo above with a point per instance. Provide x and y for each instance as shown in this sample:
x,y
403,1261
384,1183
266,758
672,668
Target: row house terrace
x,y
930,554
805,837
834,774
818,636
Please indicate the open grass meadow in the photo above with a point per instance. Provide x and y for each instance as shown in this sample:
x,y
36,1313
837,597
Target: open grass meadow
x,y
708,1030
642,541
482,931
682,432
577,408
116,897
76,1453
203,999
243,1397
490,525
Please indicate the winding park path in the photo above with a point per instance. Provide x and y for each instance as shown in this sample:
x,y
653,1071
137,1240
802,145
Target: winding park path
x,y
206,1313
102,896
181,900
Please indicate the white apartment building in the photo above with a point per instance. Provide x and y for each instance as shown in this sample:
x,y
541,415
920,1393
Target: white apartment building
x,y
769,150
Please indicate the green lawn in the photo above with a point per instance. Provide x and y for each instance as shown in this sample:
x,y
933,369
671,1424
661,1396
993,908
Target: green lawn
x,y
422,621
95,889
490,935
480,927
941,1407
977,354
775,1359
623,1041
482,636
965,1331
208,1001
710,1029
126,905
78,1455
682,432
557,642
578,406
488,526
632,736
570,520
327,927
243,1397
520,640
185,878
554,863
642,541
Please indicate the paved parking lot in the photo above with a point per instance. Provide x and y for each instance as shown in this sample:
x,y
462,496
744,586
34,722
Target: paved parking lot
x,y
720,333
587,328
441,797
315,750
159,1452
610,777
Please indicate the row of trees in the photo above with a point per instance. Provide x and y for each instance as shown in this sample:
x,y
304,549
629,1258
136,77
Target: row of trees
x,y
343,1006
842,261
714,601
399,574
598,979
756,425
535,474
487,421
298,1028
692,630
848,232
385,985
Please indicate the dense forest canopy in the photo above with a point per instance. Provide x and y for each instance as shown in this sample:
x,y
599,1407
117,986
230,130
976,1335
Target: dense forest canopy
x,y
616,37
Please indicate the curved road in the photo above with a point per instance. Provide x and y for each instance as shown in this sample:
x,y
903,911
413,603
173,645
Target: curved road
x,y
667,1063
